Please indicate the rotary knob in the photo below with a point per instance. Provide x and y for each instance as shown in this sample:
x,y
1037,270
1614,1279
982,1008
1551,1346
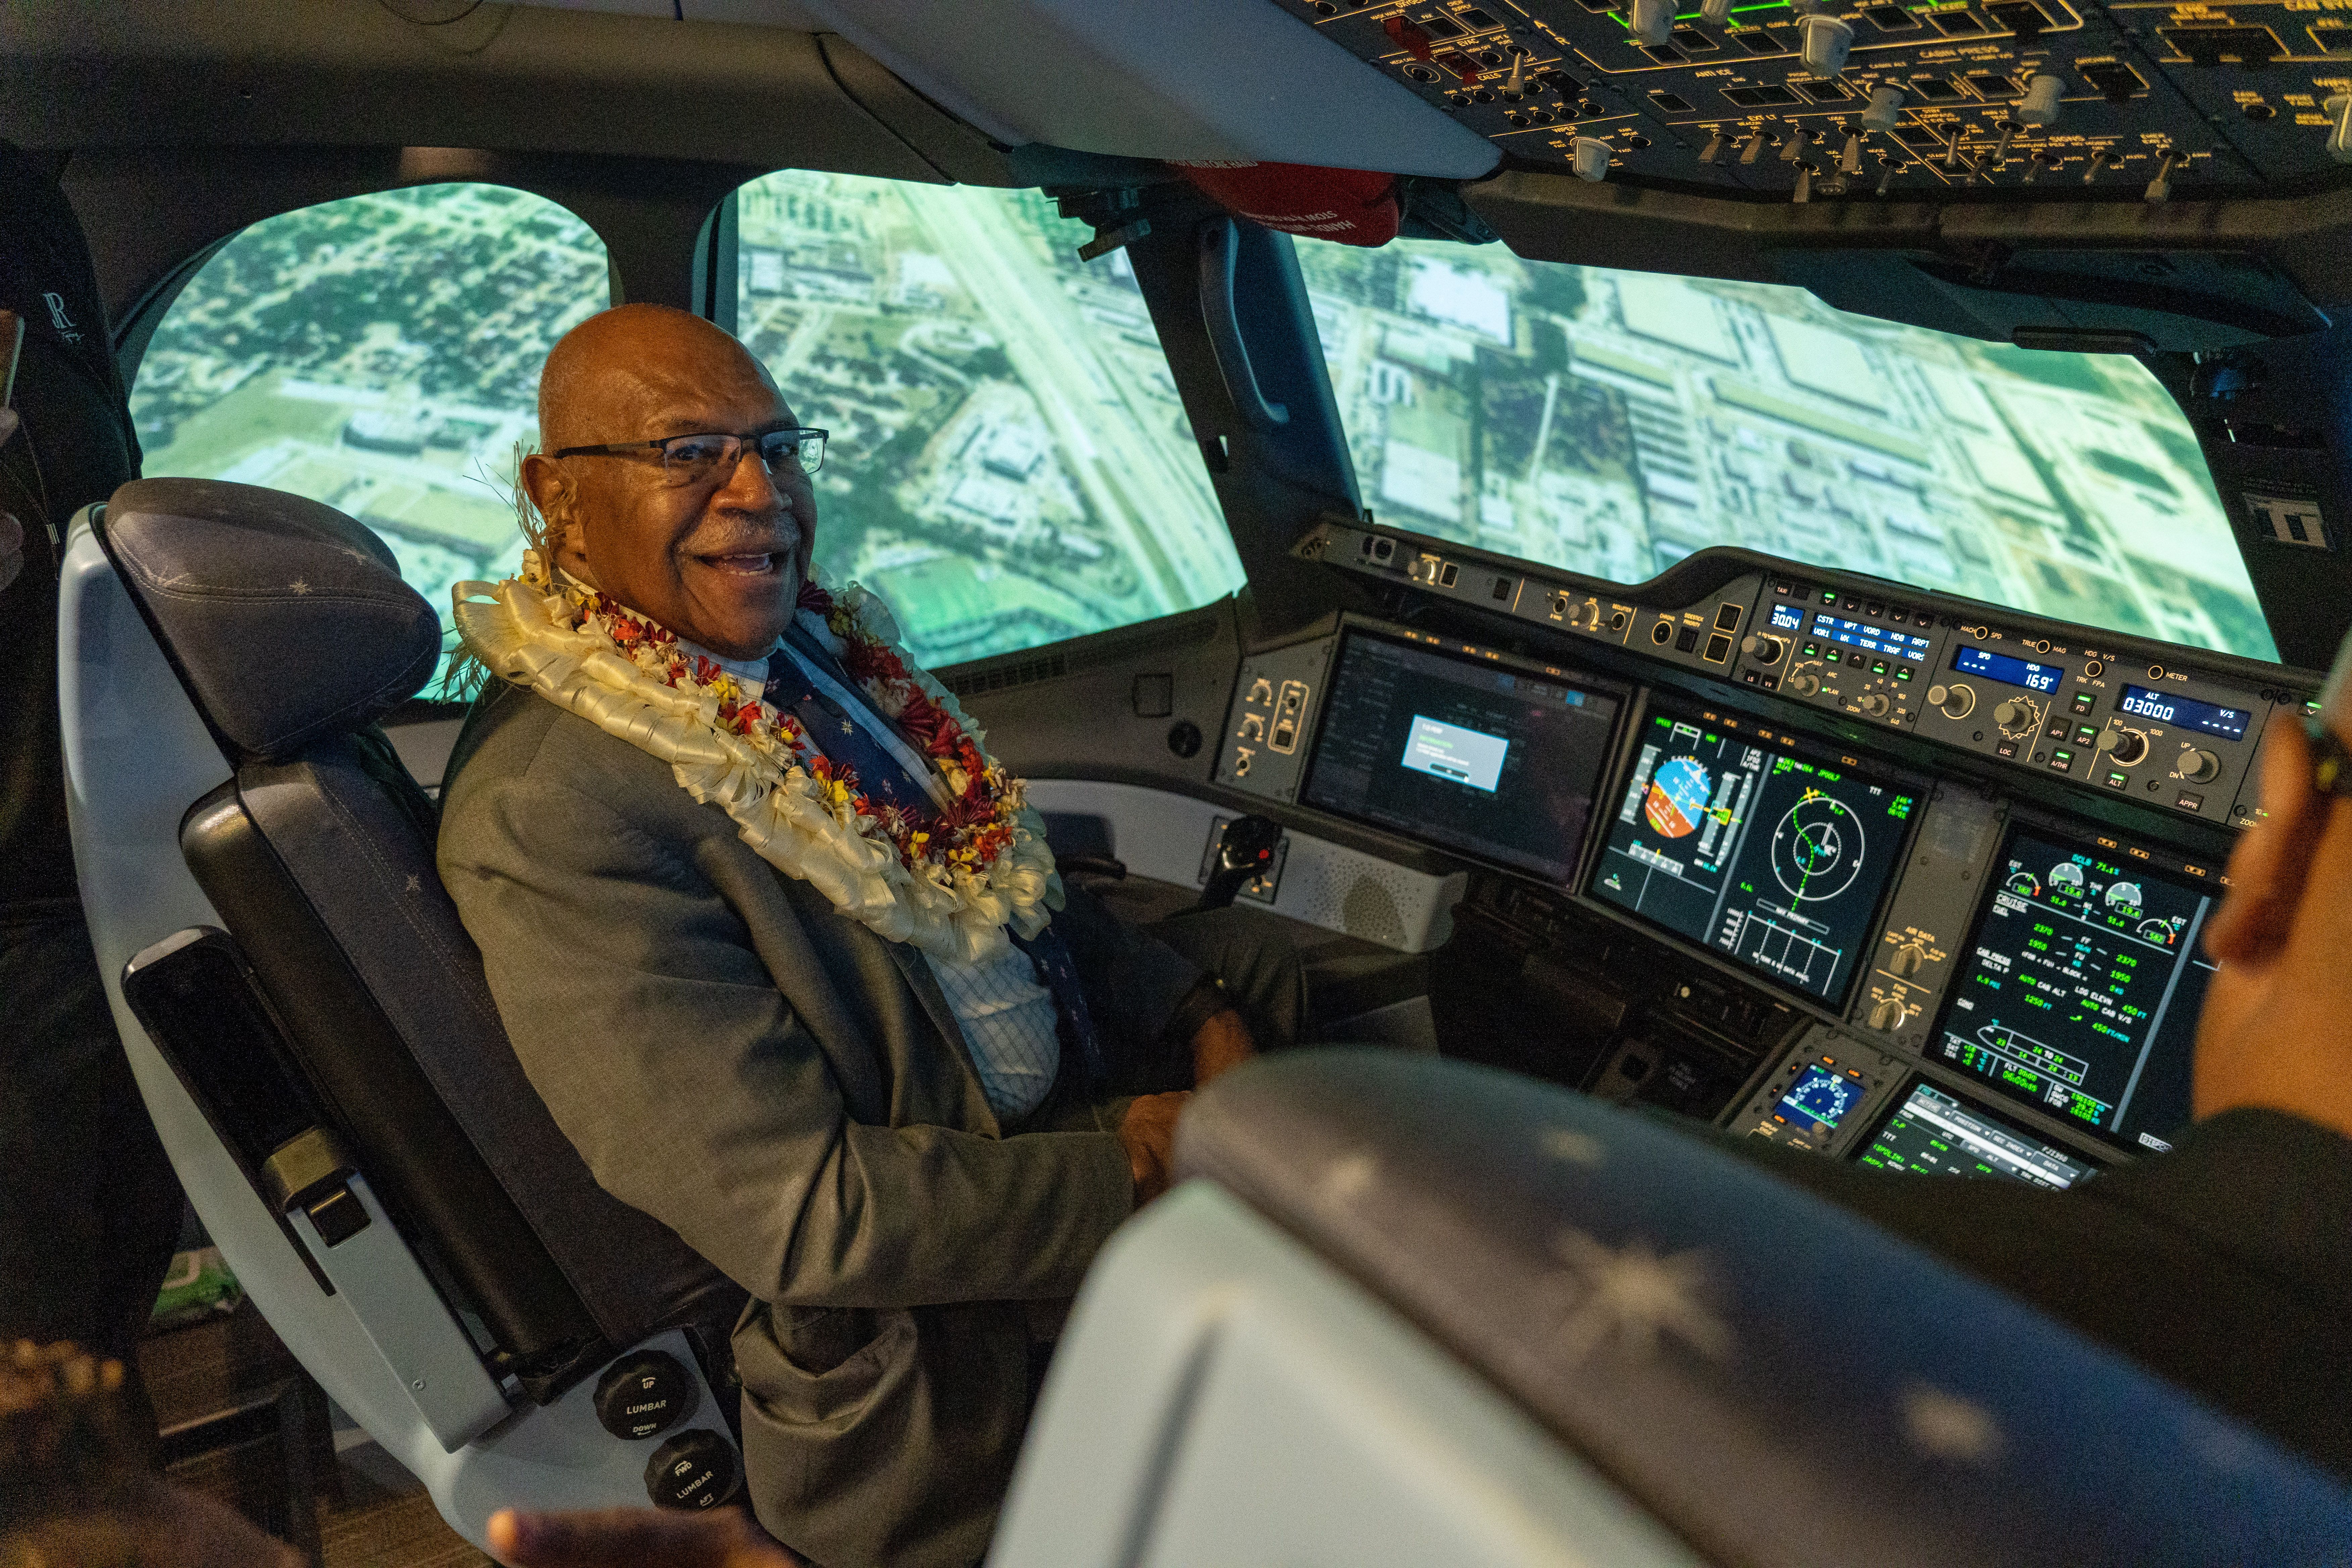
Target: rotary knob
x,y
1803,685
2198,766
1956,701
1763,649
1876,704
645,1395
1586,617
1908,958
2016,717
695,1470
2124,747
1888,1013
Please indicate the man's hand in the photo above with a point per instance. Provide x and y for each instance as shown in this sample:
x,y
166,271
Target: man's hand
x,y
1148,1131
1223,1044
12,548
2277,1026
633,1537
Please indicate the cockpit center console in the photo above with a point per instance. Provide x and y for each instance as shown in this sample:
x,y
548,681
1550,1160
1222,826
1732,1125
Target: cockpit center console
x,y
1856,868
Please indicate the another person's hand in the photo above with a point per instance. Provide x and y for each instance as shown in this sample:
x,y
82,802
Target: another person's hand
x,y
1148,1131
633,1537
2277,1026
12,548
1221,1043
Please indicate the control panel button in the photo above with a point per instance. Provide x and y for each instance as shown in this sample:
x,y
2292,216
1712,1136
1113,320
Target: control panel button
x,y
695,1470
645,1395
2060,759
2188,802
2084,702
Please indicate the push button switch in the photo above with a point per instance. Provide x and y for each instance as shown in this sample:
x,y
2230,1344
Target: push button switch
x,y
643,1395
695,1470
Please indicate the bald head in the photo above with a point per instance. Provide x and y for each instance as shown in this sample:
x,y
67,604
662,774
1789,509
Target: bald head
x,y
613,361
716,557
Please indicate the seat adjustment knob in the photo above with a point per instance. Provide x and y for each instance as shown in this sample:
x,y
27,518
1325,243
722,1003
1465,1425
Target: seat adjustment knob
x,y
643,1395
693,1470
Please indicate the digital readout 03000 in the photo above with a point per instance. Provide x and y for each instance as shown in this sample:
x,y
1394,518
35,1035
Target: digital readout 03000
x,y
2230,723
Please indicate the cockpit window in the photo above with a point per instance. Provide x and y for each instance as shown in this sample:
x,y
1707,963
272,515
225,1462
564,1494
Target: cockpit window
x,y
380,353
1010,464
1614,422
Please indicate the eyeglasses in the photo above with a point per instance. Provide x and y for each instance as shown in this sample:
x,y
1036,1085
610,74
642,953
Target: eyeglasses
x,y
691,459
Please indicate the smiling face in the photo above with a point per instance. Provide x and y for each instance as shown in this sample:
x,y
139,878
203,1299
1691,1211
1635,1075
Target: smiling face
x,y
719,561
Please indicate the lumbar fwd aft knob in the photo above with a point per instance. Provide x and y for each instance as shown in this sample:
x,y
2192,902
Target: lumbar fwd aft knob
x,y
695,1470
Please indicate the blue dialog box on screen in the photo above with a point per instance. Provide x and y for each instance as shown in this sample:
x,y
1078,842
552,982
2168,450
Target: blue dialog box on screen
x,y
1450,752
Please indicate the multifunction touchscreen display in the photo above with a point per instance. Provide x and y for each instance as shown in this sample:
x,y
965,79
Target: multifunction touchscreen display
x,y
2080,989
1479,757
1775,855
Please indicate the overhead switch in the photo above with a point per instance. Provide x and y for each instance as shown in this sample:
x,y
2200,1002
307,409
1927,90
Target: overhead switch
x,y
1827,42
1717,12
1886,103
2339,128
2040,105
1653,21
1592,158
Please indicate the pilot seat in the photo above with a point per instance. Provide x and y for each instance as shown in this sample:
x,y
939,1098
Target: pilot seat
x,y
308,1023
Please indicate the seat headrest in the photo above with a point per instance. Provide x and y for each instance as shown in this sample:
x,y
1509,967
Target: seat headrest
x,y
287,620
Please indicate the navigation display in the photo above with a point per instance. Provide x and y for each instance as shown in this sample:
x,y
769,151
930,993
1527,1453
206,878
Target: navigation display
x,y
1937,1134
1486,759
2080,989
2230,723
2006,671
1820,1098
1775,857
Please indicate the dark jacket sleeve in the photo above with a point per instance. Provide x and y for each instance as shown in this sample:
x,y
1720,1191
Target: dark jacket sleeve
x,y
1147,998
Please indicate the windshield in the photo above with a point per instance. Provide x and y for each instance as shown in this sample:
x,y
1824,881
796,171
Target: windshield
x,y
1614,422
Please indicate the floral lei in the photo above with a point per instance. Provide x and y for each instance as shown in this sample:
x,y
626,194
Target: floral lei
x,y
949,883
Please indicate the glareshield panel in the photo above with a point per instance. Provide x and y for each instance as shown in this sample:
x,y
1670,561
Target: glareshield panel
x,y
1614,422
1010,462
380,353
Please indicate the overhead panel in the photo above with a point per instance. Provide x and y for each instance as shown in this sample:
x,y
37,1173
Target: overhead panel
x,y
1824,100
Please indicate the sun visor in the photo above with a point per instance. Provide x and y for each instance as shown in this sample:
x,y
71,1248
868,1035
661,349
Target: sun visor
x,y
1348,206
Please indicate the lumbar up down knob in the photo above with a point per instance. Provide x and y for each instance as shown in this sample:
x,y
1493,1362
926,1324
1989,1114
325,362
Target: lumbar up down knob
x,y
645,1395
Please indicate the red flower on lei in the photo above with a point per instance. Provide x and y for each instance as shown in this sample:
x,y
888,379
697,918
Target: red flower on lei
x,y
970,833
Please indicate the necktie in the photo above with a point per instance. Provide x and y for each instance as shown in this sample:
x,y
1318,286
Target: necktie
x,y
843,737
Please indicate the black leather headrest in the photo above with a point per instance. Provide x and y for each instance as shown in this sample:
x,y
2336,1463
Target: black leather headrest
x,y
287,620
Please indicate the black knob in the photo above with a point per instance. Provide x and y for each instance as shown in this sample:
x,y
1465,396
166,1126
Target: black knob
x,y
642,1395
1243,854
695,1470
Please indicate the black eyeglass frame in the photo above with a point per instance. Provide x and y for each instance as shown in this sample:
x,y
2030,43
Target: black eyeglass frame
x,y
795,437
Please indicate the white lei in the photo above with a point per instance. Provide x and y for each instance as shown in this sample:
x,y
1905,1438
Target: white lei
x,y
521,631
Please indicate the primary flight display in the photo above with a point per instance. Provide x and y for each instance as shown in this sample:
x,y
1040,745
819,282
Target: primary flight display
x,y
1777,856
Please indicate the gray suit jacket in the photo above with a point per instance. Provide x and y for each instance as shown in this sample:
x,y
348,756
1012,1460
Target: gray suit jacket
x,y
792,1095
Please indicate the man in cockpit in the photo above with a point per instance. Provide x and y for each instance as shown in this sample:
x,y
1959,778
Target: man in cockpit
x,y
783,949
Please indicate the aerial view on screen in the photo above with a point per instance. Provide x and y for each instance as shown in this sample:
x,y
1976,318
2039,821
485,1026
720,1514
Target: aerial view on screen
x,y
380,354
1010,462
1614,422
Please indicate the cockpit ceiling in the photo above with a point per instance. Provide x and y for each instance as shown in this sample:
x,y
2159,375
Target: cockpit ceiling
x,y
1821,98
